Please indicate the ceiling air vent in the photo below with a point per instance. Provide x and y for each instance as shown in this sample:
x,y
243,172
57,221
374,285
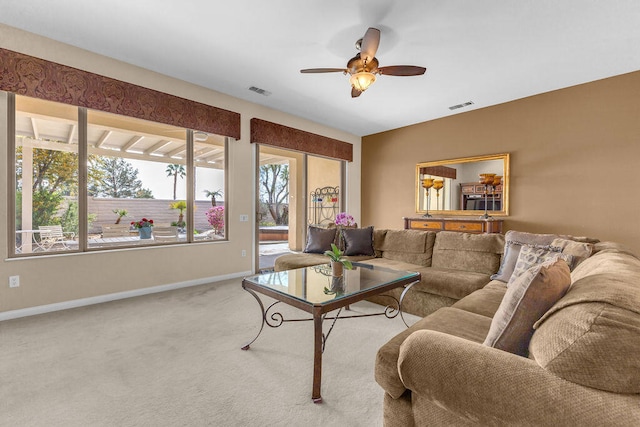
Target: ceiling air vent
x,y
464,104
259,91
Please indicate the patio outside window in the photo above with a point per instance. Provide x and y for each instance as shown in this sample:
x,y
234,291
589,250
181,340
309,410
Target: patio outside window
x,y
46,150
135,169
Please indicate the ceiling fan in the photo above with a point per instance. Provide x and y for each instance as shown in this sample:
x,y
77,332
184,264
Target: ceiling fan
x,y
364,66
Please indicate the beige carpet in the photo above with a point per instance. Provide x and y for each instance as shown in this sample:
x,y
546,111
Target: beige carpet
x,y
174,359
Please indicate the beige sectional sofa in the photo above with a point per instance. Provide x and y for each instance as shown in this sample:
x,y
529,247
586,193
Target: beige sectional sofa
x,y
582,366
452,264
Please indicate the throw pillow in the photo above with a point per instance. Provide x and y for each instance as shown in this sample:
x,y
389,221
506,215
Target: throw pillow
x,y
358,241
578,250
319,239
533,255
529,297
514,241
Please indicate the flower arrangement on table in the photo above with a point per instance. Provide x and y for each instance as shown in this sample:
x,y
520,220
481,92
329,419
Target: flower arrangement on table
x,y
215,216
345,219
144,222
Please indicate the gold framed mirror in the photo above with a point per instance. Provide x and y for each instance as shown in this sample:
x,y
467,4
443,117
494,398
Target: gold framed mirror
x,y
465,186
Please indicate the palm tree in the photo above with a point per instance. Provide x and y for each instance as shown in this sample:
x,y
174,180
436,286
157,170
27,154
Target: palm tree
x,y
120,213
175,171
213,195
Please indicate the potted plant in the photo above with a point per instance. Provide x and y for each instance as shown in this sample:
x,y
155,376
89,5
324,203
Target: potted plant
x,y
215,217
337,261
181,206
144,227
121,213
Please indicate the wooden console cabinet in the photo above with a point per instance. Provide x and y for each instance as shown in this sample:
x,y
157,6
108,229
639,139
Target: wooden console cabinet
x,y
466,225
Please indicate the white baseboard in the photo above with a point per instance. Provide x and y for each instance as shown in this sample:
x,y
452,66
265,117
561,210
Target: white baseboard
x,y
48,308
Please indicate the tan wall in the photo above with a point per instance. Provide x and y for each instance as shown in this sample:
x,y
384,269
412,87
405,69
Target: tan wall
x,y
322,172
59,278
575,159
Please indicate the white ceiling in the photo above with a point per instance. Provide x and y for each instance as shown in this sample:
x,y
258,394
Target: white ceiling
x,y
488,52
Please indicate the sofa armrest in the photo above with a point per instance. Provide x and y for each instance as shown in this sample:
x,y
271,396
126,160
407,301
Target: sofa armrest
x,y
484,385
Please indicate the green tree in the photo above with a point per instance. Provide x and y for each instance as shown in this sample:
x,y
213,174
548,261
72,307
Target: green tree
x,y
274,190
55,174
44,210
69,219
115,177
175,171
54,171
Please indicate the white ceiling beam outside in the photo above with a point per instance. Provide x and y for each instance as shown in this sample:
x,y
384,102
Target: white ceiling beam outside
x,y
176,151
105,135
133,141
155,147
72,132
34,127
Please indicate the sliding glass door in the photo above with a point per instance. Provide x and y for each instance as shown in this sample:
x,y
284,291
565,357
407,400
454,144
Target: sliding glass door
x,y
293,190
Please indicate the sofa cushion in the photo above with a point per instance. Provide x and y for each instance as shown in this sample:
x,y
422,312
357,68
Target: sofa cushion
x,y
592,335
479,253
605,262
298,260
379,236
592,344
484,301
449,320
358,241
412,246
611,247
514,240
526,300
450,283
319,239
396,265
531,256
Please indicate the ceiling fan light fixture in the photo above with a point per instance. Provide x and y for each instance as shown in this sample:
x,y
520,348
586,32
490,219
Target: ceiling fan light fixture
x,y
362,80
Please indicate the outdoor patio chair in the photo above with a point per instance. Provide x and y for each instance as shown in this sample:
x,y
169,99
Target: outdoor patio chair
x,y
165,233
52,236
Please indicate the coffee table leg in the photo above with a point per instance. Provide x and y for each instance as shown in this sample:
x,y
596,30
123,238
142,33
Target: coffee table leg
x,y
247,346
317,355
404,292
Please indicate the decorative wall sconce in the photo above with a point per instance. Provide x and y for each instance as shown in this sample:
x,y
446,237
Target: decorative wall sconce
x,y
427,183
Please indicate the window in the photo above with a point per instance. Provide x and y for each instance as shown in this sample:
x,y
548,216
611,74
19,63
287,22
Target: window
x,y
210,214
136,170
46,166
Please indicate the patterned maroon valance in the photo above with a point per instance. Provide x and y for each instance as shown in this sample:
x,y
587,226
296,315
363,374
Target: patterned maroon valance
x,y
442,171
38,78
263,132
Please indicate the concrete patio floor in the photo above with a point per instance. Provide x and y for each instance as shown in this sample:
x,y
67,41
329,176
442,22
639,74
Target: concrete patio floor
x,y
269,251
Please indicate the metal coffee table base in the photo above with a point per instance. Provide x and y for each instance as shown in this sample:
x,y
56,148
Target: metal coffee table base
x,y
275,319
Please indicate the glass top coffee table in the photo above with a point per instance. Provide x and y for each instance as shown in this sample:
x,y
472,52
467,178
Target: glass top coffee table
x,y
316,291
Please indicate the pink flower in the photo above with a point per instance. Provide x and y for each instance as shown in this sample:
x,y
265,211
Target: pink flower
x,y
215,216
344,219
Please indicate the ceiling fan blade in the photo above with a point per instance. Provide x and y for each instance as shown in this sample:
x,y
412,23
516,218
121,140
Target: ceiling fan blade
x,y
370,43
355,92
402,70
324,70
